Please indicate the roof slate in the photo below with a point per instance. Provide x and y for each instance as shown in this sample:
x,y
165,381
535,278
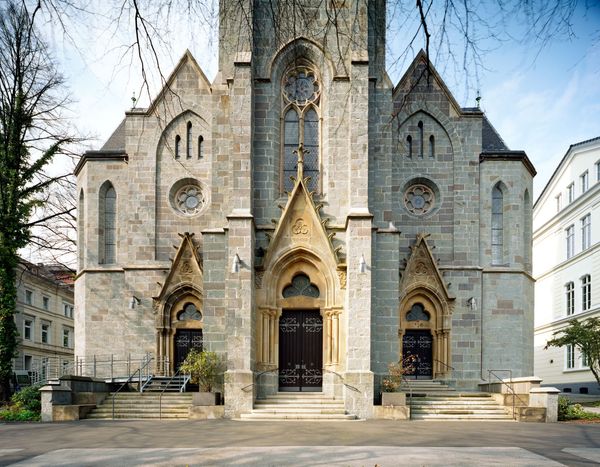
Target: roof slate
x,y
116,141
490,139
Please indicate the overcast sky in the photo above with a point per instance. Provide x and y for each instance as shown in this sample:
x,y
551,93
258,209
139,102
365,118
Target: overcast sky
x,y
540,99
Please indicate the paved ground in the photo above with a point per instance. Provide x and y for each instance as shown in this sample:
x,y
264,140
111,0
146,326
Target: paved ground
x,y
367,443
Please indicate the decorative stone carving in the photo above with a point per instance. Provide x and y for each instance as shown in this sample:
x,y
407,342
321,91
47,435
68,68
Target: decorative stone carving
x,y
258,278
342,277
419,199
300,229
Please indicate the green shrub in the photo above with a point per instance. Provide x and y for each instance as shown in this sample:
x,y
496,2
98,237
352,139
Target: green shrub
x,y
570,411
16,414
28,398
204,368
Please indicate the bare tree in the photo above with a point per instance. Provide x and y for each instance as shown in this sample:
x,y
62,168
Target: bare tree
x,y
32,134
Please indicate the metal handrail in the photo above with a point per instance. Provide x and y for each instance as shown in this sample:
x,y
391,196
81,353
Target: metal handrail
x,y
514,394
139,370
445,364
165,388
258,376
349,386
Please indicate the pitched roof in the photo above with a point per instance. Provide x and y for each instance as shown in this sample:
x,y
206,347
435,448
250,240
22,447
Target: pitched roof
x,y
490,139
116,141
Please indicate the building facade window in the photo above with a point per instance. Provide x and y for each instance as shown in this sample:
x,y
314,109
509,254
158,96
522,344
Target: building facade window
x,y
586,231
46,303
67,338
421,143
497,225
570,357
570,298
45,333
432,147
598,171
558,198
68,310
177,147
584,180
584,360
586,292
409,146
28,329
200,148
571,192
301,93
570,241
28,297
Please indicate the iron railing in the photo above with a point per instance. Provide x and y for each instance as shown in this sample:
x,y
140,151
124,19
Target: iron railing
x,y
181,389
510,388
139,371
349,386
256,376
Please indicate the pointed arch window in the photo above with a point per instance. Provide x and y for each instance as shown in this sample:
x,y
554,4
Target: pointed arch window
x,y
301,125
431,146
200,148
421,147
188,147
301,287
107,224
497,225
409,144
177,147
80,230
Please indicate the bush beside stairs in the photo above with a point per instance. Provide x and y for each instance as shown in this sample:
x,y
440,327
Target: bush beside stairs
x,y
433,400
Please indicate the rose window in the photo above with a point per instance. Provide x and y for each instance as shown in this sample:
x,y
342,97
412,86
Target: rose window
x,y
301,87
419,199
189,199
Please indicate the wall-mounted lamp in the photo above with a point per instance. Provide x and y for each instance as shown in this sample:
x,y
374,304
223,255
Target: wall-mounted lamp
x,y
472,302
235,264
362,264
134,302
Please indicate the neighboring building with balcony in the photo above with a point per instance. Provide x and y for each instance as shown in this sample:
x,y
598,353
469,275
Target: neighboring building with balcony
x,y
44,316
566,264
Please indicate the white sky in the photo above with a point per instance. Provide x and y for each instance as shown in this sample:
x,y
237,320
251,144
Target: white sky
x,y
540,101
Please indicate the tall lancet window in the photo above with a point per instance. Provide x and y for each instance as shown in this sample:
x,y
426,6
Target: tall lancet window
x,y
497,225
301,123
107,224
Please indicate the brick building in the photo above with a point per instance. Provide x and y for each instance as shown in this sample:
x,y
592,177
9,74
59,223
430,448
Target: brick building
x,y
405,228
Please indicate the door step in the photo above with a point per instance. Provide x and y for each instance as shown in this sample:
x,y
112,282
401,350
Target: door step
x,y
299,406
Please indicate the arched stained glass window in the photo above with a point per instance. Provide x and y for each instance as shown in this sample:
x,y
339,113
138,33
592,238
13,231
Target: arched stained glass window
x,y
290,144
417,313
432,146
107,224
409,144
301,287
421,148
497,225
301,125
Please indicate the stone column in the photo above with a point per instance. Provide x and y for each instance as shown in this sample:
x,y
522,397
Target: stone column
x,y
239,284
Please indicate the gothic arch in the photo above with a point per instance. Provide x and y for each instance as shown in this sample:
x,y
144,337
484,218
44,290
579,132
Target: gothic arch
x,y
305,49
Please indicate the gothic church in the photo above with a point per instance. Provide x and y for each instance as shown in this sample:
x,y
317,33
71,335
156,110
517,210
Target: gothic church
x,y
326,222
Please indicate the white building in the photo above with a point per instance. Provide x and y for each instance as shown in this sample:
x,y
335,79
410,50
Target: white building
x,y
566,263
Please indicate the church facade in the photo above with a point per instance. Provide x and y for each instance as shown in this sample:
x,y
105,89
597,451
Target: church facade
x,y
308,220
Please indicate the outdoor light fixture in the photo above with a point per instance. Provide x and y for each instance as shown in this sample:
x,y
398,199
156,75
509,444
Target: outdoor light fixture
x,y
472,302
362,264
133,302
235,265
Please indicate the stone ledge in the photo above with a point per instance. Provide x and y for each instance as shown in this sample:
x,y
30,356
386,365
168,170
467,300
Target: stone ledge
x,y
390,412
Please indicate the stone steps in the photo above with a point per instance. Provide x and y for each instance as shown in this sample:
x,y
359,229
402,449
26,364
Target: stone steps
x,y
298,406
144,405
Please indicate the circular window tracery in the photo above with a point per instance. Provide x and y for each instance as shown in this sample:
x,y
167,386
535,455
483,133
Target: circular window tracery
x,y
419,199
187,197
301,86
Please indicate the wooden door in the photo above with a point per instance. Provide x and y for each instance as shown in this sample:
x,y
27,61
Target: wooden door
x,y
186,340
417,353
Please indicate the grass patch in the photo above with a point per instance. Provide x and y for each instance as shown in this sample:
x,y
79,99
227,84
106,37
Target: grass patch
x,y
570,411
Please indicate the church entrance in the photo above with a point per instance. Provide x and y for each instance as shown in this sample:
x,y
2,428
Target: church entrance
x,y
417,354
301,351
186,340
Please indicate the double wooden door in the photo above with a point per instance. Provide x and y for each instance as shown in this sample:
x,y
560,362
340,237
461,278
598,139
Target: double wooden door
x,y
300,351
186,340
417,354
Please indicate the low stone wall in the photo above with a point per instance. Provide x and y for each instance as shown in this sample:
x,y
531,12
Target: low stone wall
x,y
72,399
531,402
391,412
206,412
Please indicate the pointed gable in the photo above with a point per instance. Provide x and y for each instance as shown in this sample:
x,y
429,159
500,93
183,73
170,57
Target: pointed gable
x,y
187,73
422,272
422,77
185,270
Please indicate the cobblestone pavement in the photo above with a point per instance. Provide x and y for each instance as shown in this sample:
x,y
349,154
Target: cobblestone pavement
x,y
367,443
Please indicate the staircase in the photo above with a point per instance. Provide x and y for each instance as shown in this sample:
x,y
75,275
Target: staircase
x,y
313,406
166,383
433,400
137,405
